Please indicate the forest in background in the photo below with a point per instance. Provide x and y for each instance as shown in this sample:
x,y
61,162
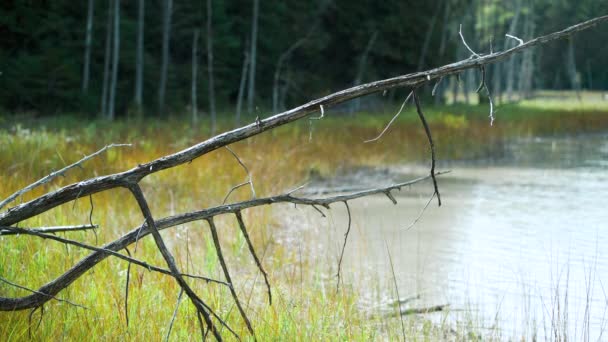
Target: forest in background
x,y
116,59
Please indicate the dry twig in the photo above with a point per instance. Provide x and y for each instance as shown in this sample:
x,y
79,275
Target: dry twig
x,y
220,256
393,119
57,173
427,130
344,245
243,229
50,230
249,177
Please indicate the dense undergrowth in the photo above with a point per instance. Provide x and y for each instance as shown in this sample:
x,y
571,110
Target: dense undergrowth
x,y
306,305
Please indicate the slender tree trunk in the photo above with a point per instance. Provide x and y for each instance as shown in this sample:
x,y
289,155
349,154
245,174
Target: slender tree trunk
x,y
496,74
527,63
356,104
589,75
440,93
455,86
466,86
277,71
165,56
252,61
428,35
511,64
470,20
278,96
116,53
139,62
239,100
284,91
482,37
194,77
87,47
572,72
210,65
106,62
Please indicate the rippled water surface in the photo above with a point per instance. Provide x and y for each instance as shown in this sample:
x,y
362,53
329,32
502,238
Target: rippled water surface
x,y
520,244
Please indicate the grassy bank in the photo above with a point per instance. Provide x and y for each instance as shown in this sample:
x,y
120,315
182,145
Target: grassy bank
x,y
306,305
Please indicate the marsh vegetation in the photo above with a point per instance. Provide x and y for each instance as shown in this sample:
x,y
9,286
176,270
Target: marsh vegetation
x,y
301,262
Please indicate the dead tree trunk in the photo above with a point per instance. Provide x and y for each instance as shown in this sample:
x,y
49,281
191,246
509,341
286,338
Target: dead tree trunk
x,y
87,47
210,65
253,55
116,53
511,65
428,35
241,94
441,87
527,62
589,75
193,91
106,61
162,88
130,179
277,71
139,60
278,94
496,69
356,105
571,68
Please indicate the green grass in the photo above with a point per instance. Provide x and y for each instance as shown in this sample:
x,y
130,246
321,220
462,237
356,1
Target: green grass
x,y
306,306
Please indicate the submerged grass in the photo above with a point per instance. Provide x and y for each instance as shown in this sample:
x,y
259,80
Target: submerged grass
x,y
306,306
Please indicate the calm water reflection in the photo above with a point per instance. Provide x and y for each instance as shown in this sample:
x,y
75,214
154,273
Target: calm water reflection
x,y
520,242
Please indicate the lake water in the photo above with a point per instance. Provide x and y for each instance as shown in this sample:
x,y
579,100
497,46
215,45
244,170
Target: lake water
x,y
519,247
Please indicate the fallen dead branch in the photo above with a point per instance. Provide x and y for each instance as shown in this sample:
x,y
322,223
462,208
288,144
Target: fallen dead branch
x,y
420,311
208,319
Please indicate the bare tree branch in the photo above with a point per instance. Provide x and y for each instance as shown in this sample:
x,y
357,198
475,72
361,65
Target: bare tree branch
x,y
249,177
427,129
243,229
421,212
50,230
196,301
236,187
41,293
393,119
436,86
465,43
521,42
220,256
344,245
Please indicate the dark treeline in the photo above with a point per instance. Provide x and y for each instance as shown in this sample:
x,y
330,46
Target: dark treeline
x,y
112,58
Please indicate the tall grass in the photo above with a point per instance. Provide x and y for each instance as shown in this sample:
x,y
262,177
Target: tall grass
x,y
306,307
